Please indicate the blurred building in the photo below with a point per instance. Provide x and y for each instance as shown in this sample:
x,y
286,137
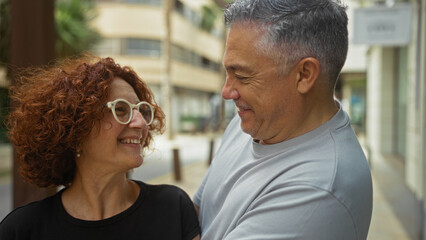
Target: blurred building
x,y
135,33
395,101
351,86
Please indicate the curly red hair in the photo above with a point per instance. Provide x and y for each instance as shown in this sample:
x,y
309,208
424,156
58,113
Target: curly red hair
x,y
57,107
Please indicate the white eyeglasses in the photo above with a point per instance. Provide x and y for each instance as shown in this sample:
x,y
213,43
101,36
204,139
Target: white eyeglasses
x,y
123,110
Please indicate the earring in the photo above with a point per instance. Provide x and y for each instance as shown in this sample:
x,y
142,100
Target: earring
x,y
78,150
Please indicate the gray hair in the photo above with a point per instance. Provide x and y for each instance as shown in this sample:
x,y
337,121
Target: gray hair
x,y
297,29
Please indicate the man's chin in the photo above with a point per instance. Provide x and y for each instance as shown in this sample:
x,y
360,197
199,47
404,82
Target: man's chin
x,y
248,129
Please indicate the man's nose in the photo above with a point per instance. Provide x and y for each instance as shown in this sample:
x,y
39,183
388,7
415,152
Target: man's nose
x,y
229,90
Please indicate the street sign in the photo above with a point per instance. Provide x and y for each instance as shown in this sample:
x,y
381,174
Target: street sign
x,y
384,26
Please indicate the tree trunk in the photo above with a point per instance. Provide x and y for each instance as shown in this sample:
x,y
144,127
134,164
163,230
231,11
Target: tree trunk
x,y
32,43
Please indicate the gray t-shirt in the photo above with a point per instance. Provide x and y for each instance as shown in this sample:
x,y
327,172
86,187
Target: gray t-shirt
x,y
315,186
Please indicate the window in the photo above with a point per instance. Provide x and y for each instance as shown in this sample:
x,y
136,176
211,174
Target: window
x,y
188,13
147,2
181,54
145,47
179,6
109,0
209,64
187,56
108,46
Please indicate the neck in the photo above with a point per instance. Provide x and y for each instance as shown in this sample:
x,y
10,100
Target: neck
x,y
316,111
95,196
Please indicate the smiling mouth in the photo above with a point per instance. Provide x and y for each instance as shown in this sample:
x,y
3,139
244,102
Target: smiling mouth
x,y
242,108
130,141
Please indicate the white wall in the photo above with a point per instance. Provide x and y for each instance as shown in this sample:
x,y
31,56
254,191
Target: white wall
x,y
130,20
380,83
415,160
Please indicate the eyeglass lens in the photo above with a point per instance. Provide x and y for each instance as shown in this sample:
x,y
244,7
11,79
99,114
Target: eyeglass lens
x,y
146,112
122,111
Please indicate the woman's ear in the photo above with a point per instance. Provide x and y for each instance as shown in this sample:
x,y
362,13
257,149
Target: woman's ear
x,y
308,73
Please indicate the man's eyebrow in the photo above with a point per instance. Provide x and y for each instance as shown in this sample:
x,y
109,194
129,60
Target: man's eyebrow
x,y
237,67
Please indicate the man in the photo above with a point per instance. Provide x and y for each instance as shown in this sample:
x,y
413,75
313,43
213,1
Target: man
x,y
290,165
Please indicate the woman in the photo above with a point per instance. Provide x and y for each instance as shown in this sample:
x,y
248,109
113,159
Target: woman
x,y
84,125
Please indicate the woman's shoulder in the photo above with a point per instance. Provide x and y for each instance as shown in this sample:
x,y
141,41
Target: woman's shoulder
x,y
31,210
164,191
25,217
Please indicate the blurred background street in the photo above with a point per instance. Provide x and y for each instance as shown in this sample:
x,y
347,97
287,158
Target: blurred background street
x,y
176,46
194,155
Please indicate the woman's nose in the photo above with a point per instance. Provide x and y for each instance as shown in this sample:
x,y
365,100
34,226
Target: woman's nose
x,y
137,121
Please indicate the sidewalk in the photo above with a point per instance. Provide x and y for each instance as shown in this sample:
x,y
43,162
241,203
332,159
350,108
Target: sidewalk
x,y
192,175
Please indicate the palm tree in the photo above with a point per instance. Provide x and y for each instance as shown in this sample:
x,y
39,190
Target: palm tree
x,y
72,22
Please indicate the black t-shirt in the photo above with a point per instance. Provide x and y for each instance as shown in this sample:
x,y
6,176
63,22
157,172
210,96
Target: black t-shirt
x,y
160,212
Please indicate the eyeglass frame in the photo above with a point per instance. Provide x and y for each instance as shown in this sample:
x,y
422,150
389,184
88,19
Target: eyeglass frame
x,y
111,106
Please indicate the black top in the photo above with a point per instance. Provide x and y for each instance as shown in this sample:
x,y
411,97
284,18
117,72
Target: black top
x,y
160,212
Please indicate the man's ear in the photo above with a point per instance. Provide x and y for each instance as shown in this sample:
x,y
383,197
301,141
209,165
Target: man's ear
x,y
308,70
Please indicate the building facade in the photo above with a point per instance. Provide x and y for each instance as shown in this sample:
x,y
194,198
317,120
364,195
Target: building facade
x,y
395,103
135,33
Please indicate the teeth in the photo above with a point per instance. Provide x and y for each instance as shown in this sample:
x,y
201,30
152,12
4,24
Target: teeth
x,y
128,141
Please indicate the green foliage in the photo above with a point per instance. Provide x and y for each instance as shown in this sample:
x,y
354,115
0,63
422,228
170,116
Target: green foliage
x,y
74,32
209,16
222,3
211,12
72,23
